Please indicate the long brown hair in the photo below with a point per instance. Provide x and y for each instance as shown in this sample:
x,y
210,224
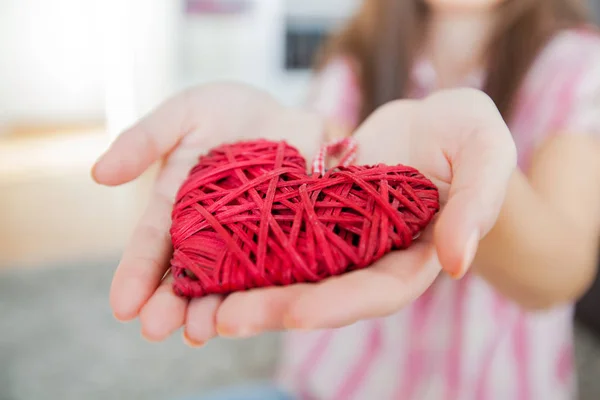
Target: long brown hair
x,y
383,38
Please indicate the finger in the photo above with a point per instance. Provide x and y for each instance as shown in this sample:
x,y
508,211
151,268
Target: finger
x,y
164,312
141,145
200,320
245,314
382,289
144,261
482,156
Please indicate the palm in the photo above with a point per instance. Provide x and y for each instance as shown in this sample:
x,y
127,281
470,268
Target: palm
x,y
226,112
444,137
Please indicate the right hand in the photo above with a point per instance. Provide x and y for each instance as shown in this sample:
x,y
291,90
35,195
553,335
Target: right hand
x,y
175,134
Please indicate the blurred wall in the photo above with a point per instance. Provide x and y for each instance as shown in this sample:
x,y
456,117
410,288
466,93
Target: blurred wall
x,y
66,60
242,46
62,60
595,7
321,9
50,64
140,42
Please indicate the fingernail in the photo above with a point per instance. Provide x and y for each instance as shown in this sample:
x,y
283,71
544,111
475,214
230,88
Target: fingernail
x,y
191,342
235,333
469,256
121,319
290,322
225,331
294,323
246,333
149,339
115,316
94,168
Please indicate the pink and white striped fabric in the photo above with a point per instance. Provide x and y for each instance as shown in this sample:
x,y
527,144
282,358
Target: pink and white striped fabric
x,y
346,147
461,340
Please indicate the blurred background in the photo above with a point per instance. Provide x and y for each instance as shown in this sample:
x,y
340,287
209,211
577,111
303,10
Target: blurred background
x,y
73,73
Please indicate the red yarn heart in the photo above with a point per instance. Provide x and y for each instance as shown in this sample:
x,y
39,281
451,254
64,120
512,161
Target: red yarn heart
x,y
250,216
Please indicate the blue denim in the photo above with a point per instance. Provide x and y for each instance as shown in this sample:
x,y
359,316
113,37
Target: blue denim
x,y
250,392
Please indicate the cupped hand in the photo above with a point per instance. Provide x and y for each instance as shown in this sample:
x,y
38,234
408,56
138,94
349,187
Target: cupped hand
x,y
175,134
456,138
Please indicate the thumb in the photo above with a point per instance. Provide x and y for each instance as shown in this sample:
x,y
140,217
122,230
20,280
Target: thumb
x,y
482,164
136,149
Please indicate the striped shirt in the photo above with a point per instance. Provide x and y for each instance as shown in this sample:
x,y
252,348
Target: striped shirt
x,y
461,339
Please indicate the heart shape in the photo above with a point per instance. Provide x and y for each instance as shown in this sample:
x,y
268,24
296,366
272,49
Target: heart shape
x,y
250,216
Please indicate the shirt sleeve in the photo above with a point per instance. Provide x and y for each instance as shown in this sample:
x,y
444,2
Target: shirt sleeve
x,y
584,116
335,94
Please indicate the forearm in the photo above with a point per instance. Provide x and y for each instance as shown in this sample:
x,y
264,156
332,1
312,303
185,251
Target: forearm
x,y
536,254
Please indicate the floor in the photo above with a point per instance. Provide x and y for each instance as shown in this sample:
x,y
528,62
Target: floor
x,y
60,342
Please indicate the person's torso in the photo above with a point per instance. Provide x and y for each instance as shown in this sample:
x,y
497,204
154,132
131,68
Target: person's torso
x,y
460,340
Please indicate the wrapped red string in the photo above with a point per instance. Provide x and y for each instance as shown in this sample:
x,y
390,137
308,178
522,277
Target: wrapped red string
x,y
250,216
